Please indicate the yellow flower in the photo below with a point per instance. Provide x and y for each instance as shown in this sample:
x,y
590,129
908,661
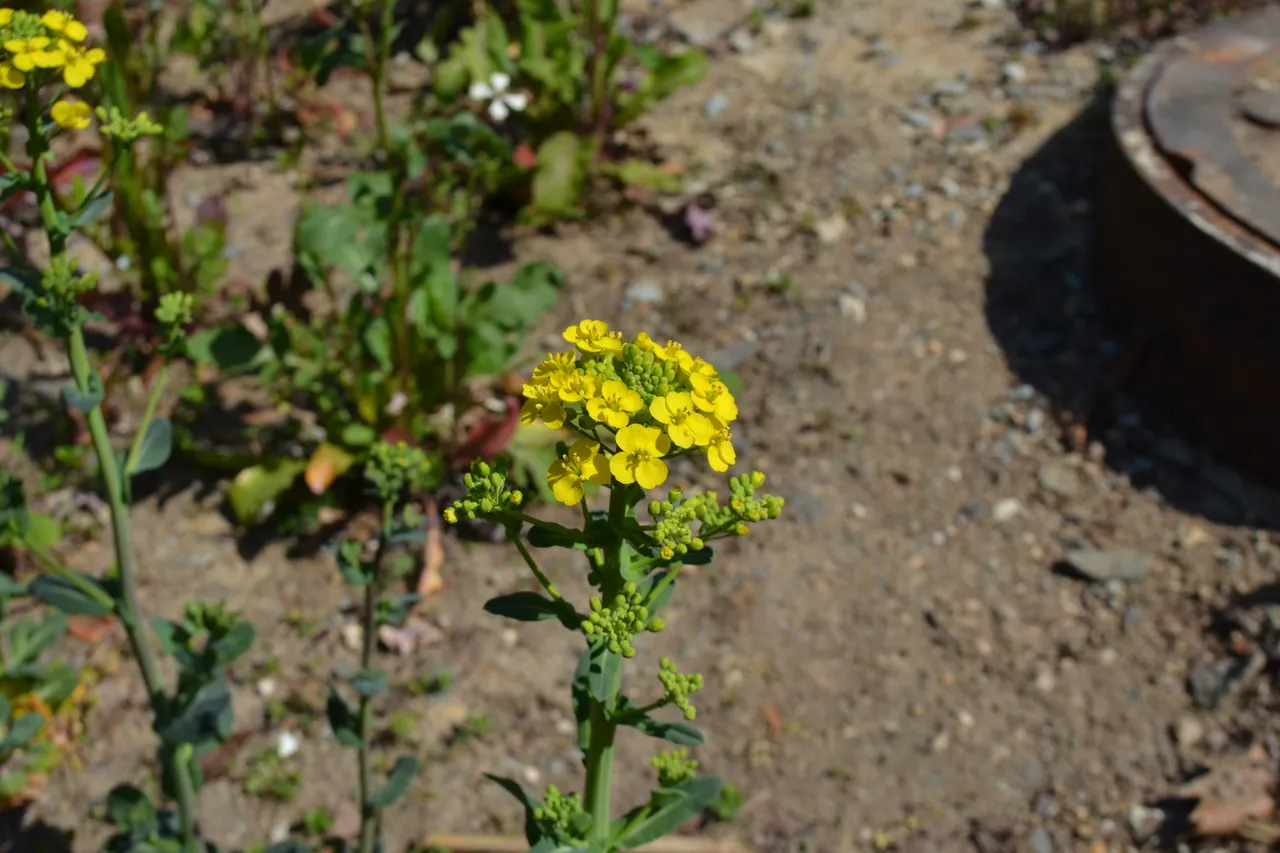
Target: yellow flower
x,y
615,404
6,17
64,25
578,387
582,464
543,404
556,367
593,336
720,452
685,424
80,63
712,396
703,367
10,77
638,459
73,115
33,53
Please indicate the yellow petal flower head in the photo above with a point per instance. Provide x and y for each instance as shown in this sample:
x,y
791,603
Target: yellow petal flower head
x,y
615,405
720,453
6,16
10,77
592,336
542,403
578,387
73,115
703,367
582,464
64,25
685,424
80,63
557,367
639,456
32,53
712,396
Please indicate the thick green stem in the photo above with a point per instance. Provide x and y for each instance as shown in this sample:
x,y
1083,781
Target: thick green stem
x,y
369,815
600,750
128,608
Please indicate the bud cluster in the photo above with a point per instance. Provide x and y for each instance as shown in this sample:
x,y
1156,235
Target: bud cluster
x,y
674,766
677,687
394,468
561,816
487,494
617,625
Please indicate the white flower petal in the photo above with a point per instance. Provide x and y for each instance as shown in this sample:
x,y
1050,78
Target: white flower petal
x,y
516,101
287,744
480,92
498,110
499,81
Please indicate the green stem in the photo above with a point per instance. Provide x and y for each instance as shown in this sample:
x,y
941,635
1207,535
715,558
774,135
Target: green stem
x,y
153,400
369,642
57,568
533,567
600,750
128,608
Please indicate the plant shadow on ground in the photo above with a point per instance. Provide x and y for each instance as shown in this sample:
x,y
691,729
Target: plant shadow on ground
x,y
36,837
1042,308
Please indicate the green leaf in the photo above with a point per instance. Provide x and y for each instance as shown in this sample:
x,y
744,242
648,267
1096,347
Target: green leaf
x,y
82,598
234,643
398,782
84,402
21,733
646,175
377,342
369,682
558,177
43,532
90,210
129,808
531,804
343,720
602,676
524,607
532,292
156,446
669,808
353,570
679,733
546,534
230,347
255,487
203,718
645,588
29,637
358,435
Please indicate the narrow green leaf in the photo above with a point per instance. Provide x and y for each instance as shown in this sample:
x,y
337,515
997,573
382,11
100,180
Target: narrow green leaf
x,y
679,733
156,446
547,534
524,607
602,676
531,804
645,589
342,719
670,808
90,210
84,598
368,682
398,782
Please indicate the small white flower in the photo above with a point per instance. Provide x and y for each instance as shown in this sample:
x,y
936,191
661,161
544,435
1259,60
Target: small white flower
x,y
502,103
287,744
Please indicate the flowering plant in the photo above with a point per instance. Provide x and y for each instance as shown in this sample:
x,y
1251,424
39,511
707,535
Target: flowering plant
x,y
632,406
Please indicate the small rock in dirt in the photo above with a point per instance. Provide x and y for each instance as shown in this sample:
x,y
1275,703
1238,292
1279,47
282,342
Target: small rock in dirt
x,y
713,106
1212,682
832,229
641,293
852,307
287,744
741,41
1188,732
1058,479
968,133
266,687
948,188
703,21
1014,72
916,118
279,832
1006,509
1109,564
1144,821
1192,536
352,635
1040,840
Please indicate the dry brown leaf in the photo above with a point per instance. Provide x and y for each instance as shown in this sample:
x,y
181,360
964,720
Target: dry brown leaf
x,y
773,717
90,629
1217,818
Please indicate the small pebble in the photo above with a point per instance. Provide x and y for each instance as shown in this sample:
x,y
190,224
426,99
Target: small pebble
x,y
1006,509
1014,72
713,106
287,744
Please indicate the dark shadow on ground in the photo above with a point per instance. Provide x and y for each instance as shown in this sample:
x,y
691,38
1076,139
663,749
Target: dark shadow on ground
x,y
1042,307
34,837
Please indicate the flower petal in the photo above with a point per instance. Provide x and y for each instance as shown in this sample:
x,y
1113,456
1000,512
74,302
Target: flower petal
x,y
517,101
498,110
499,81
651,473
479,92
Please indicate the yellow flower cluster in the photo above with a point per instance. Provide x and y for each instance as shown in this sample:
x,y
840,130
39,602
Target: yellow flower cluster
x,y
647,397
52,42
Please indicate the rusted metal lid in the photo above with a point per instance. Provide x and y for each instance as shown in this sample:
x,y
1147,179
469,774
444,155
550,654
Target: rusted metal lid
x,y
1213,109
